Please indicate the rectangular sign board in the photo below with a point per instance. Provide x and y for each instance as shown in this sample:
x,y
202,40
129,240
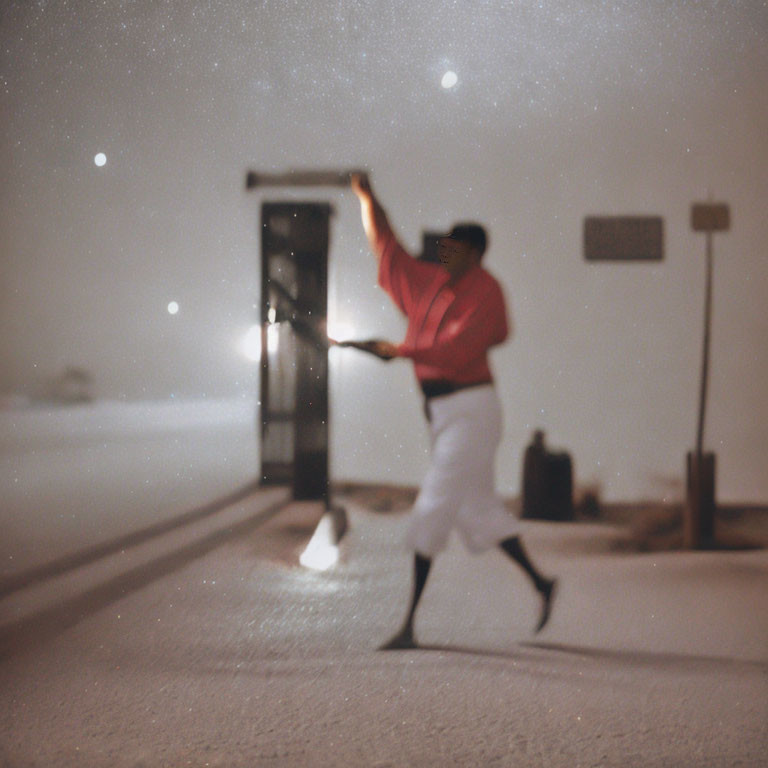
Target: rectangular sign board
x,y
429,243
710,217
623,238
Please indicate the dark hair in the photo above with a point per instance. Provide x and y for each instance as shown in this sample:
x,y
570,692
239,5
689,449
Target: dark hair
x,y
470,233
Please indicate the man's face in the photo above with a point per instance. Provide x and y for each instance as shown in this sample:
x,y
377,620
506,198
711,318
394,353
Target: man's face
x,y
456,256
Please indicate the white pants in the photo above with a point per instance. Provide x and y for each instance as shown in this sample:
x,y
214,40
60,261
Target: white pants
x,y
459,489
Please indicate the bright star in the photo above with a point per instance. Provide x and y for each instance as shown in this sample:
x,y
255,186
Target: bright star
x,y
450,78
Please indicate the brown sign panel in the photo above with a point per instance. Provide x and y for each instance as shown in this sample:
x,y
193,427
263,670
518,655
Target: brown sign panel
x,y
623,238
710,217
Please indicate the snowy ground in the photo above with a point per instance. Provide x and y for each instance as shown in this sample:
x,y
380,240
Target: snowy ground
x,y
208,645
75,476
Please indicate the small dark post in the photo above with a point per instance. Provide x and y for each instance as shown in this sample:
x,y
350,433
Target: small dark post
x,y
700,507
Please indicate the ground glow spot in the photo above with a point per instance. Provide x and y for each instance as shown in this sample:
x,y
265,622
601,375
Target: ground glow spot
x,y
173,307
322,551
450,78
100,159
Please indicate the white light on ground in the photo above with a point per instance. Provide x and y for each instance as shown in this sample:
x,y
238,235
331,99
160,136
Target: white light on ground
x,y
100,159
322,552
252,343
173,307
450,78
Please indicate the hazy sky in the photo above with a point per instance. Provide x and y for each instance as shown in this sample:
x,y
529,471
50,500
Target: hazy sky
x,y
561,110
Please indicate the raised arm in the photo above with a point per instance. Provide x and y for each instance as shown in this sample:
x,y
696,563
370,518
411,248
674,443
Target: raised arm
x,y
399,274
375,221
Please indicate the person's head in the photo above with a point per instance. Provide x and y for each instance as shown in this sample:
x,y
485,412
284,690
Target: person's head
x,y
463,247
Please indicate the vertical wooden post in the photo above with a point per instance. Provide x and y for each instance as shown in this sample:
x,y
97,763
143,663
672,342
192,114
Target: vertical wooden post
x,y
700,506
705,351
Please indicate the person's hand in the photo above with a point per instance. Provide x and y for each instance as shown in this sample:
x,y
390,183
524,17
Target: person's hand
x,y
360,184
386,350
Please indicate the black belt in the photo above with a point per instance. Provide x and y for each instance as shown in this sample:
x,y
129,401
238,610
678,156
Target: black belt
x,y
438,387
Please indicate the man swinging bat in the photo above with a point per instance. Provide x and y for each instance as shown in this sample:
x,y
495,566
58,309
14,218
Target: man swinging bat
x,y
456,312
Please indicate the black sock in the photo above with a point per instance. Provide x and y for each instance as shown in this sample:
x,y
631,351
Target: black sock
x,y
421,566
513,546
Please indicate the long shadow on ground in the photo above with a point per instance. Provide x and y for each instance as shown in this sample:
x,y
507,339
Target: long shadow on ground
x,y
52,621
90,555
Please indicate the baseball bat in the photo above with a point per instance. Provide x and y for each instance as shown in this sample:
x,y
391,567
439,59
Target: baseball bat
x,y
299,178
366,346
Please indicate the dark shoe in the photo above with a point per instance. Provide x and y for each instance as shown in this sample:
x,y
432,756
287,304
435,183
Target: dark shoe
x,y
400,642
548,592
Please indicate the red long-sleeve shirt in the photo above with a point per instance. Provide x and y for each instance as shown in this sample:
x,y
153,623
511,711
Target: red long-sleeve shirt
x,y
450,327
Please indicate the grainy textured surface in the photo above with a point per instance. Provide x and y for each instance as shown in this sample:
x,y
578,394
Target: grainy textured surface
x,y
241,658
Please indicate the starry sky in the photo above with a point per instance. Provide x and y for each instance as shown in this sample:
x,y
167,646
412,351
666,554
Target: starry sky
x,y
560,110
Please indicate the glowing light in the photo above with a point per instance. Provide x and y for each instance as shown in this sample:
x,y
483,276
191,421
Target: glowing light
x,y
273,337
173,307
340,331
271,315
322,552
251,344
450,78
100,159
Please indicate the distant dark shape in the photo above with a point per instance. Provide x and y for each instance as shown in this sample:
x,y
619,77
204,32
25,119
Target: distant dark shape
x,y
547,482
589,504
623,238
72,385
